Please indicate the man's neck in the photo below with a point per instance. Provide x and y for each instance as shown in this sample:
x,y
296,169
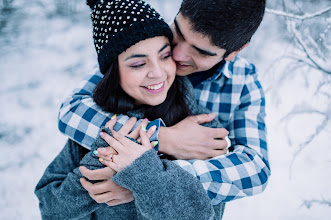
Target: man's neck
x,y
198,77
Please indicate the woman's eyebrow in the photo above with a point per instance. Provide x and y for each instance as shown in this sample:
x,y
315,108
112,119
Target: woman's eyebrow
x,y
164,47
135,56
144,55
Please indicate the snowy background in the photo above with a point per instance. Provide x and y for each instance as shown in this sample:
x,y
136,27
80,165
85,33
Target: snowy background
x,y
46,47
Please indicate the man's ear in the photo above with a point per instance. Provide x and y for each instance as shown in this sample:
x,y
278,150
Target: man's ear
x,y
232,55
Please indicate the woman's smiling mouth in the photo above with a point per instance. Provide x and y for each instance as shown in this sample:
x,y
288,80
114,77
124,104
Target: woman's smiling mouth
x,y
156,88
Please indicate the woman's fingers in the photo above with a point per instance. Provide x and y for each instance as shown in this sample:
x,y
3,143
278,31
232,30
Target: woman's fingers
x,y
106,157
110,124
111,141
150,132
120,138
112,164
104,151
135,133
99,174
127,127
144,138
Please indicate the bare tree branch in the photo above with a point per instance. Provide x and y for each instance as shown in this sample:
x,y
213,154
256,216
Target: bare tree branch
x,y
306,109
300,40
298,17
309,203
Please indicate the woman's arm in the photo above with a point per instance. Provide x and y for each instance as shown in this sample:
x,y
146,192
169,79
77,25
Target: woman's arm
x,y
60,194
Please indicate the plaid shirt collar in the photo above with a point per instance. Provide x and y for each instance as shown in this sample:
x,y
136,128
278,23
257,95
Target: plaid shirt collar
x,y
224,69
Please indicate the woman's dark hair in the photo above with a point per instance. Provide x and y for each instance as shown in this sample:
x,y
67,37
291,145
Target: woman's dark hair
x,y
110,96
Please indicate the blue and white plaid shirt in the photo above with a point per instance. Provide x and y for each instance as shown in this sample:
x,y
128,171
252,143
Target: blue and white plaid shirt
x,y
234,93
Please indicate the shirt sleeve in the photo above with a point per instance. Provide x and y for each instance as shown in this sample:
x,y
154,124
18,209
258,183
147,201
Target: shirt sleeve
x,y
245,170
80,118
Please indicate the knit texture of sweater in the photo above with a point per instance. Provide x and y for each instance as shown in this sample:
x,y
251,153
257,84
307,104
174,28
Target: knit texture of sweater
x,y
162,190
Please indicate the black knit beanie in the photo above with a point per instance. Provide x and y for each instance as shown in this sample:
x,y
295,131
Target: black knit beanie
x,y
119,24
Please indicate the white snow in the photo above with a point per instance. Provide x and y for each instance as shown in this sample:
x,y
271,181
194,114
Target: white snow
x,y
43,54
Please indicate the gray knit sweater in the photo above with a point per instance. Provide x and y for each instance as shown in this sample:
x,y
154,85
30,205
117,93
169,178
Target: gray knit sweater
x,y
162,190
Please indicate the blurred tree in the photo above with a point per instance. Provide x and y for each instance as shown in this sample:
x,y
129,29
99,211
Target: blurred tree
x,y
309,24
5,10
311,31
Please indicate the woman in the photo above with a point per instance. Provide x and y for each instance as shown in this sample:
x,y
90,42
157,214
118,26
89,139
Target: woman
x,y
134,54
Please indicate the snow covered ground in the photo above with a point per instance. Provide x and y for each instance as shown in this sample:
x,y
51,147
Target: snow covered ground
x,y
45,51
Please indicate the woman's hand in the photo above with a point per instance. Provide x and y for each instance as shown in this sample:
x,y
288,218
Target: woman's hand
x,y
127,150
105,191
126,129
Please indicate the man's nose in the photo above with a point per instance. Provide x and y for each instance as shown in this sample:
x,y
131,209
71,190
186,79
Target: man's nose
x,y
180,52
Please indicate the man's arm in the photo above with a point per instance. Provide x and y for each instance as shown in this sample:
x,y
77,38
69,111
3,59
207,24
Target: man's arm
x,y
189,139
244,171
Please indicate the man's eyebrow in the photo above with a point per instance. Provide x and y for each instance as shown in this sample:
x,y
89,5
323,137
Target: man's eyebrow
x,y
178,29
201,51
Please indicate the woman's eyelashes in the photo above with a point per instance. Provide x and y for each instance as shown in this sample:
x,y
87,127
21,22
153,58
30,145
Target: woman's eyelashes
x,y
166,56
138,65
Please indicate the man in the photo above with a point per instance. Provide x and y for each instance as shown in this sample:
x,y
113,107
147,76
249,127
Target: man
x,y
208,34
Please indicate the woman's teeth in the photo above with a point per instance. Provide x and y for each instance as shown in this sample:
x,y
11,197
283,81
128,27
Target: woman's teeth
x,y
155,87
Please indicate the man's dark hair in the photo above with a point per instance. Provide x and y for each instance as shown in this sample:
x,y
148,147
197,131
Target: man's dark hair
x,y
229,24
110,96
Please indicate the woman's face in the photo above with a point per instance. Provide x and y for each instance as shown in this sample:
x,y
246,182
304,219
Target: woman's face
x,y
147,70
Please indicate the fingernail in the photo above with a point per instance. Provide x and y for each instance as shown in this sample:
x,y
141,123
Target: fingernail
x,y
101,133
100,159
143,127
154,143
153,127
95,152
146,119
112,117
102,149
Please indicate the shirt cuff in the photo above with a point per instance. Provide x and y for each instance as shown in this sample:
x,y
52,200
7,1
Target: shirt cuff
x,y
155,136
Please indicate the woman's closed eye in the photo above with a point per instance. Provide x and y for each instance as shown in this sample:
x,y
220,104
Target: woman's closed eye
x,y
137,65
166,56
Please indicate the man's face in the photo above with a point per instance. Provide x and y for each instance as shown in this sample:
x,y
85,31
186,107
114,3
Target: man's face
x,y
192,51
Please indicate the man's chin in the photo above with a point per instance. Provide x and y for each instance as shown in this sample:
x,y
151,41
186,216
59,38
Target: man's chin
x,y
184,71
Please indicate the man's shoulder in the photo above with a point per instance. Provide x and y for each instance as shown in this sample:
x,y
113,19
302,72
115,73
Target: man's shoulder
x,y
241,66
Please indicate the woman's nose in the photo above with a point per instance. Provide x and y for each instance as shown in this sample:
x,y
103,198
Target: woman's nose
x,y
156,71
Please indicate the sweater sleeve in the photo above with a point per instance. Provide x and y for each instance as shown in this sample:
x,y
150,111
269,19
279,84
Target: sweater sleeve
x,y
163,190
60,194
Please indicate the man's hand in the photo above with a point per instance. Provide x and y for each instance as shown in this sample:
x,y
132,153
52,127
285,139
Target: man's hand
x,y
106,191
190,140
